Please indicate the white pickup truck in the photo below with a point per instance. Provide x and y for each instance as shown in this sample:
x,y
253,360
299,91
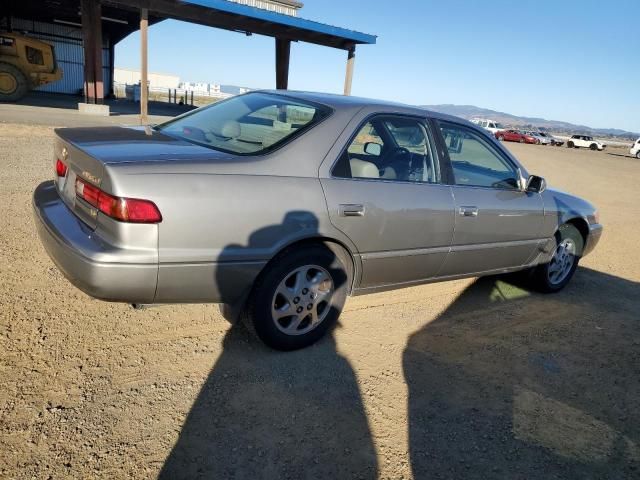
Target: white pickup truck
x,y
577,141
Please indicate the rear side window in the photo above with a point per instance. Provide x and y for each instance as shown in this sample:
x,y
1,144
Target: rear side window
x,y
474,161
249,124
391,148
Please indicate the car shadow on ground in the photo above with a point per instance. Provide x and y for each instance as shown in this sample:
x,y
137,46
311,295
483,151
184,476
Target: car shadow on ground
x,y
626,155
268,414
506,383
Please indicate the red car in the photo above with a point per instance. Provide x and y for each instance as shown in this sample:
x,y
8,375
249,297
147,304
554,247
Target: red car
x,y
515,136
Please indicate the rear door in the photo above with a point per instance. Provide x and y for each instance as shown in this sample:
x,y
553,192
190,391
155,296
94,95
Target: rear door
x,y
385,193
497,226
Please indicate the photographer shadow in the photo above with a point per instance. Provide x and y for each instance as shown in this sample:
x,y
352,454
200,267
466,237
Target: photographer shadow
x,y
268,414
506,383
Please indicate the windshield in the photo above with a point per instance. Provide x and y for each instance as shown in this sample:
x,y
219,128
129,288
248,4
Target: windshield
x,y
247,124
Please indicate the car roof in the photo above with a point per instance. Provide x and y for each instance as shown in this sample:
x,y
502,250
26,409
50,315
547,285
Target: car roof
x,y
337,102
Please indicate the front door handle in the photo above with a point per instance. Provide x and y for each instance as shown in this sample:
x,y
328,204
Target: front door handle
x,y
468,211
351,210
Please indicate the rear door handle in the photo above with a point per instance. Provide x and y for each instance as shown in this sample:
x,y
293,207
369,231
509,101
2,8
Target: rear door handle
x,y
351,210
468,211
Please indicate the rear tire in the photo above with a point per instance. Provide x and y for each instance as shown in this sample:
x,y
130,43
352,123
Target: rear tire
x,y
554,276
298,297
501,138
569,144
13,83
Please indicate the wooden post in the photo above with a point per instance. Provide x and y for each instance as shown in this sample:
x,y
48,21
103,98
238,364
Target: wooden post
x,y
97,56
283,53
91,15
351,57
144,75
112,53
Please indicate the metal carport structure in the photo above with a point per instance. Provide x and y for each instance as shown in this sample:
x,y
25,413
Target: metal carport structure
x,y
118,18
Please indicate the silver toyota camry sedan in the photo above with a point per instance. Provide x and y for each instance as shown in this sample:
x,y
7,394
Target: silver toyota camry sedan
x,y
278,205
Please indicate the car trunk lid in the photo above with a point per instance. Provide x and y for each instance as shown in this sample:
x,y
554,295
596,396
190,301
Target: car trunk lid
x,y
88,153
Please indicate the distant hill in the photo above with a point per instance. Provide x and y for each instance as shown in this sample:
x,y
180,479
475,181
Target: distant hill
x,y
471,111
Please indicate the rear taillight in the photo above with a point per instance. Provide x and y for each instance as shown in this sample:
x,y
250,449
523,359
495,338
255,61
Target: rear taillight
x,y
61,168
132,210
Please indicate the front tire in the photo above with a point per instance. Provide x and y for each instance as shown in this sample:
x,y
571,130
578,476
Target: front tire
x,y
638,154
13,83
554,276
298,297
593,146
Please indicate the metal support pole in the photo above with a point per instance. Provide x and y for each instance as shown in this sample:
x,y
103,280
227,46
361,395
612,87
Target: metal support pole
x,y
348,79
144,74
283,53
88,40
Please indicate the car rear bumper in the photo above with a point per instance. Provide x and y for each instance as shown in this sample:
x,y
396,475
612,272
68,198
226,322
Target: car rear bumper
x,y
595,232
89,262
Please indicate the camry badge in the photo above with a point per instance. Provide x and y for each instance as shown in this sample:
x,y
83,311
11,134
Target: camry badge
x,y
91,178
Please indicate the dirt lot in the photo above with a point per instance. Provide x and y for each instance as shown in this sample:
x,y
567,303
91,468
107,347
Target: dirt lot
x,y
465,379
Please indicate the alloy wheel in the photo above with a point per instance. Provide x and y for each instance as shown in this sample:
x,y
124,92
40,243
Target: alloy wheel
x,y
562,261
302,300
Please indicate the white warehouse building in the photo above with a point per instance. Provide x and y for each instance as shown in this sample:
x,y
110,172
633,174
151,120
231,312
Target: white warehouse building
x,y
132,77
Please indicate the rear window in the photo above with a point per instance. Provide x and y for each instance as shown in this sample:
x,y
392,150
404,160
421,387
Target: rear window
x,y
248,124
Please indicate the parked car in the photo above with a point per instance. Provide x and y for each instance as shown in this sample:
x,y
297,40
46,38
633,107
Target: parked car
x,y
279,205
585,141
489,125
540,138
515,136
635,149
552,140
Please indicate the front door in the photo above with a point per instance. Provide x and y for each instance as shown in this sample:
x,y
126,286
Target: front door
x,y
497,226
385,194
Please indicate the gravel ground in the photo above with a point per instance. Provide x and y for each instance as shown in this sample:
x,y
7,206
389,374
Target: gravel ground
x,y
464,379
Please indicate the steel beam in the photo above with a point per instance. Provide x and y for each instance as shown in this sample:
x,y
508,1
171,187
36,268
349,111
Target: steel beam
x,y
283,53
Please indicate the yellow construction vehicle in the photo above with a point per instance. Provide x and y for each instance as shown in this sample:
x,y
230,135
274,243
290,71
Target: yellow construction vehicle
x,y
25,63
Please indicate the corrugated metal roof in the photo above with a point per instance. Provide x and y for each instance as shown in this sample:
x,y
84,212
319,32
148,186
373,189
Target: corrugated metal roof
x,y
285,20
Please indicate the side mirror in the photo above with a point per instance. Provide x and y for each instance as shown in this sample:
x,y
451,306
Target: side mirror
x,y
535,184
372,148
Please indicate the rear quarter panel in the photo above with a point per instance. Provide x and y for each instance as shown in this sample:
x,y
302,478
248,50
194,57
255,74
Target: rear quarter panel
x,y
219,231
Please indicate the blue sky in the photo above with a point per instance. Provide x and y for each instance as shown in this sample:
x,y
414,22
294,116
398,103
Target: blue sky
x,y
571,60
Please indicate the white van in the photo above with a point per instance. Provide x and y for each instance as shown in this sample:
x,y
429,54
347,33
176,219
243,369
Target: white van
x,y
635,149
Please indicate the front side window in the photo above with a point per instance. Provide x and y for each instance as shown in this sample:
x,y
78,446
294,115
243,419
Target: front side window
x,y
248,124
474,161
390,148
